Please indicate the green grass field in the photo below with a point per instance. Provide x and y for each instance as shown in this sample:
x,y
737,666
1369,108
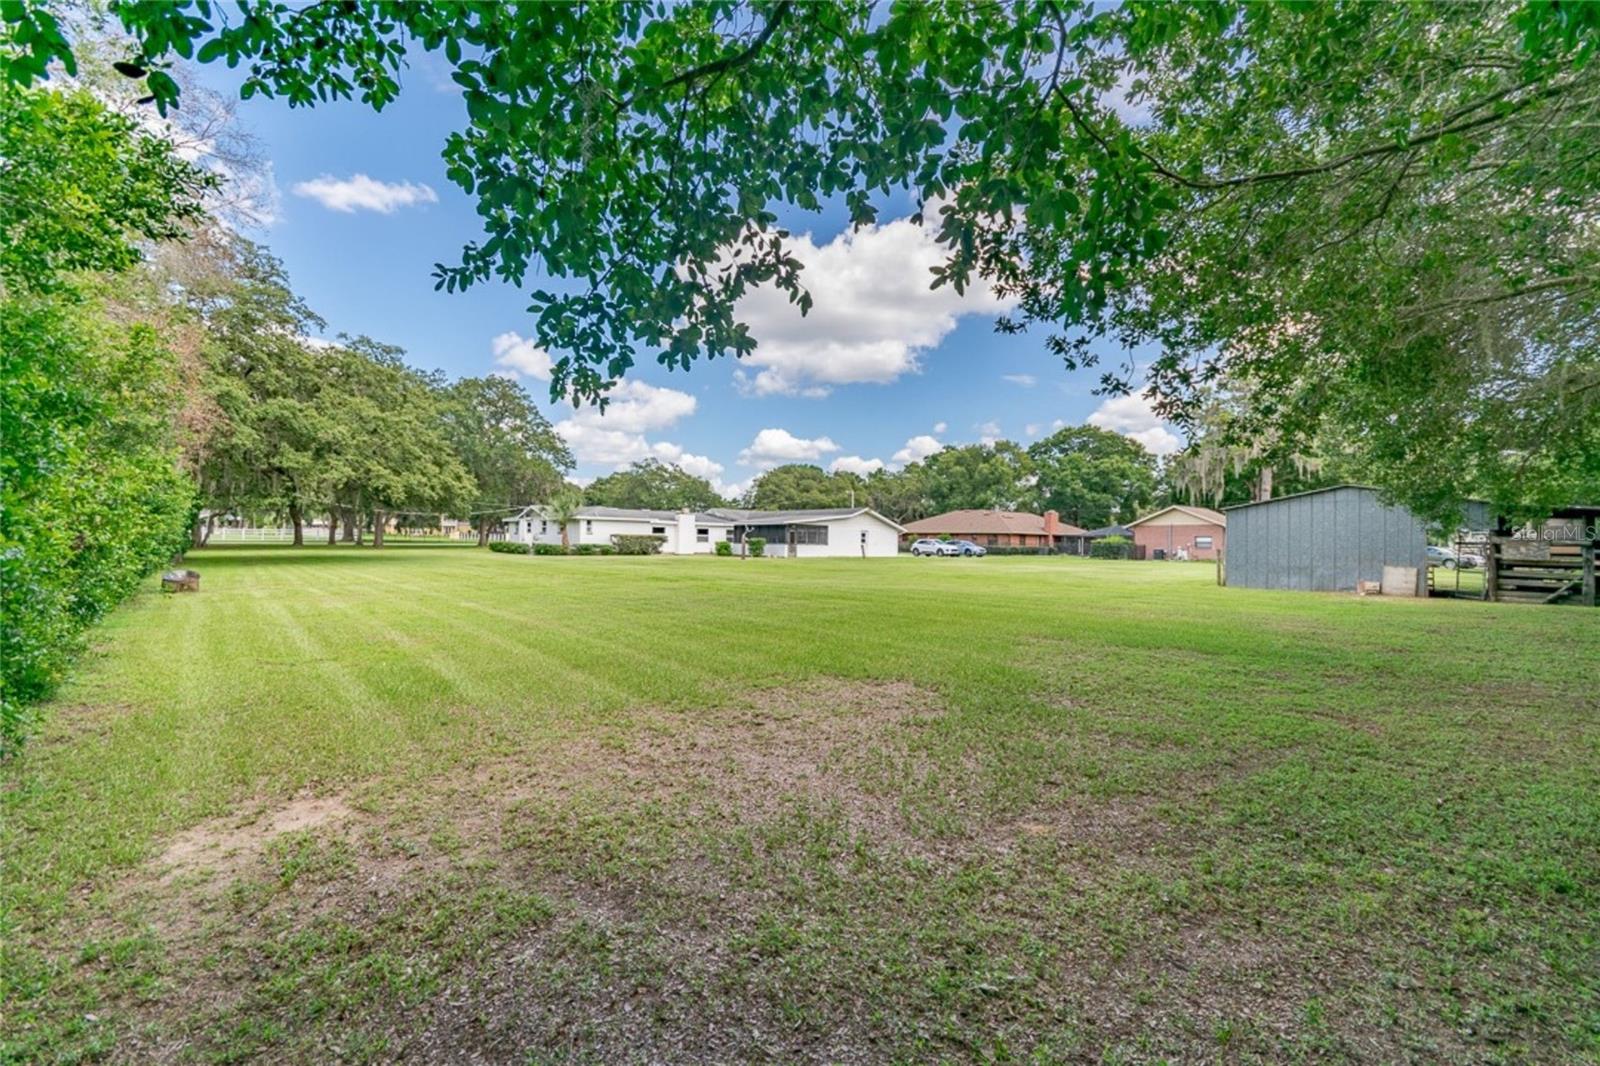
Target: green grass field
x,y
434,804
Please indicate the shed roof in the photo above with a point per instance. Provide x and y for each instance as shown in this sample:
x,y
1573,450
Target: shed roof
x,y
1204,514
1468,500
1297,495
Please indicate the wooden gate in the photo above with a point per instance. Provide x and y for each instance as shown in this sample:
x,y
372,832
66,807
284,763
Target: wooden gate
x,y
1525,571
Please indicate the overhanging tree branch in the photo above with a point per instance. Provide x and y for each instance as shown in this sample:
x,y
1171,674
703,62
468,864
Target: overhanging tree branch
x,y
780,12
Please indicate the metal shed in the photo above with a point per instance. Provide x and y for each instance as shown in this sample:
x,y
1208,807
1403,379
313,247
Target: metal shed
x,y
1326,540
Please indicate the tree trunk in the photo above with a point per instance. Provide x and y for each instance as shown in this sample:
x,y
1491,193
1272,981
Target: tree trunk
x,y
483,531
565,545
378,522
333,527
197,536
350,526
1264,485
211,524
299,521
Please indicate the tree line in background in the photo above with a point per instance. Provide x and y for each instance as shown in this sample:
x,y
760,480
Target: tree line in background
x,y
157,367
1091,477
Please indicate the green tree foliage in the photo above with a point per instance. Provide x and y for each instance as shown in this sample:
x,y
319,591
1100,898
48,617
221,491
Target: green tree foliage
x,y
509,448
270,447
653,485
1092,476
900,495
1370,215
1223,465
998,476
90,492
562,509
392,454
801,486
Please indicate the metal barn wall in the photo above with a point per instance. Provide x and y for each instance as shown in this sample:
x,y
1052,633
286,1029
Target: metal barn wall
x,y
1322,541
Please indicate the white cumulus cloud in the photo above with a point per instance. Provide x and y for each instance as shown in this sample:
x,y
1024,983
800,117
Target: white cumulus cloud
x,y
988,432
1027,381
635,406
873,313
361,193
940,427
773,447
1131,416
919,448
519,355
617,436
854,464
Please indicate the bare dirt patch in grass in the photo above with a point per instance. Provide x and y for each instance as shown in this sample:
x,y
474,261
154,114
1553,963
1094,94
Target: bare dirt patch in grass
x,y
226,847
823,745
610,829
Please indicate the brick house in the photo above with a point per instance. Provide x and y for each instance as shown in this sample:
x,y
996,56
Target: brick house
x,y
1198,531
1003,529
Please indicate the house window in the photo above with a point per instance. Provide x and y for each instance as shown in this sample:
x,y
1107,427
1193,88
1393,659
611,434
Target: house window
x,y
543,526
780,534
588,526
1202,543
702,536
659,531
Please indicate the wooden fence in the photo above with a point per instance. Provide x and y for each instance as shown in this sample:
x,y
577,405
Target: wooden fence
x,y
1526,571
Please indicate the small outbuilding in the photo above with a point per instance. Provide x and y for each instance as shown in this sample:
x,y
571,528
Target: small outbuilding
x,y
1326,540
1180,532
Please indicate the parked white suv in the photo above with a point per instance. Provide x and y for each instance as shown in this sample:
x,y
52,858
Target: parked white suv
x,y
932,546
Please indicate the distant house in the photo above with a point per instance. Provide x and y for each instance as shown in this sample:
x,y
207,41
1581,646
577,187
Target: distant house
x,y
844,531
1108,531
1004,529
1180,531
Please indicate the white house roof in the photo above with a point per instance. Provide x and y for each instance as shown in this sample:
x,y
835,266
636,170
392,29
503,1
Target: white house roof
x,y
625,514
718,516
820,516
628,514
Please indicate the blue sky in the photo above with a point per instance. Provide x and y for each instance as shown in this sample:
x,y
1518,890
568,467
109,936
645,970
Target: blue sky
x,y
881,371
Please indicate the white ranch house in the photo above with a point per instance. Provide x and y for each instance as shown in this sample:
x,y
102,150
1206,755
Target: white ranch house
x,y
843,531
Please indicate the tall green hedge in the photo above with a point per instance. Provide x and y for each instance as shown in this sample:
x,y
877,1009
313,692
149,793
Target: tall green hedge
x,y
91,495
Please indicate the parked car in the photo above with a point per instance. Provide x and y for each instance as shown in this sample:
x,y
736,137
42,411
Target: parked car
x,y
1468,560
934,546
967,547
1444,557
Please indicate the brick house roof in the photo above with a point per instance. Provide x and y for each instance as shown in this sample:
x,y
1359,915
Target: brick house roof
x,y
1203,515
1018,522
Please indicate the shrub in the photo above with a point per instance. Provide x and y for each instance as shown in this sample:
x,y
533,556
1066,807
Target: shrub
x,y
91,390
549,549
606,549
587,549
508,547
723,548
758,546
1112,547
638,543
